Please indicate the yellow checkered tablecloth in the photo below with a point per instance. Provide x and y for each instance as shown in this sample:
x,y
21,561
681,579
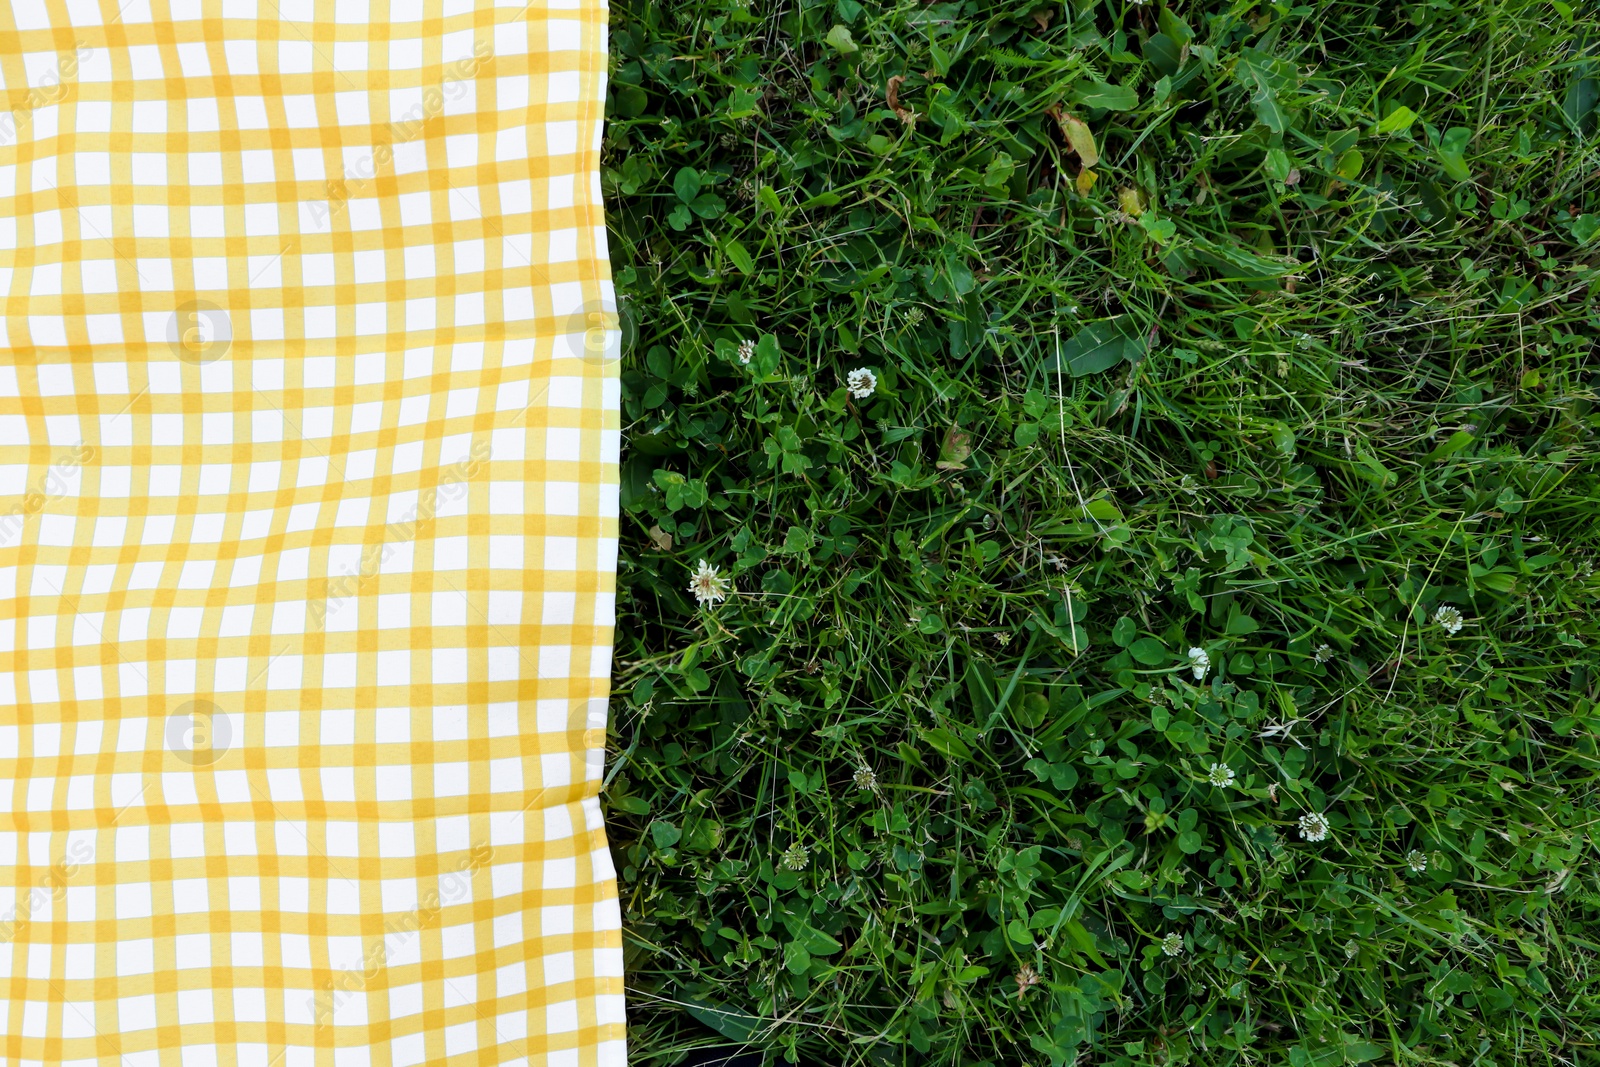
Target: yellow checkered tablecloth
x,y
307,534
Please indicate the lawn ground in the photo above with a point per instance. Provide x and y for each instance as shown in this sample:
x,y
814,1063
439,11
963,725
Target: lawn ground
x,y
1187,653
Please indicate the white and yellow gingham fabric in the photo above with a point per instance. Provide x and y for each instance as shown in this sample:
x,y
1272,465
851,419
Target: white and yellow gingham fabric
x,y
307,534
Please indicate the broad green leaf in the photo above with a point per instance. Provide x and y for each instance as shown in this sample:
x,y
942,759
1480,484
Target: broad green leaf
x,y
1101,346
1063,776
1104,509
796,958
767,356
1163,53
1449,446
708,205
1180,733
1370,468
946,742
820,200
704,836
731,1023
1269,111
1266,75
1103,94
742,103
1160,230
631,805
1350,164
1583,97
1277,164
1149,651
1173,26
1452,152
630,100
1242,262
1084,940
740,255
1357,1051
839,37
1401,118
818,943
686,184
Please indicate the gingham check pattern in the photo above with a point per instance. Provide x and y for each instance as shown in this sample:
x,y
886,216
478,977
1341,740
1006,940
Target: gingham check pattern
x,y
307,534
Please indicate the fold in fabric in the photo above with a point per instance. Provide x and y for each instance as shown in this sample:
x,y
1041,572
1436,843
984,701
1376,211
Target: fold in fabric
x,y
308,462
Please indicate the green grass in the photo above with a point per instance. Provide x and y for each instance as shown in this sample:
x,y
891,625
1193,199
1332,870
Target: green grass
x,y
1312,357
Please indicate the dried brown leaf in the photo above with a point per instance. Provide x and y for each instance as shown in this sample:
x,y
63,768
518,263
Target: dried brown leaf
x,y
892,97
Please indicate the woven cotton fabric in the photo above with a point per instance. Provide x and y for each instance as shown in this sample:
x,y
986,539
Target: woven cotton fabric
x,y
308,455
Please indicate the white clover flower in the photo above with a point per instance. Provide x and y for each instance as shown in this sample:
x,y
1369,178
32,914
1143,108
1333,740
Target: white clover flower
x,y
1324,653
1199,663
747,351
707,585
866,778
1449,619
1172,945
1220,775
797,857
861,382
1314,826
1417,860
